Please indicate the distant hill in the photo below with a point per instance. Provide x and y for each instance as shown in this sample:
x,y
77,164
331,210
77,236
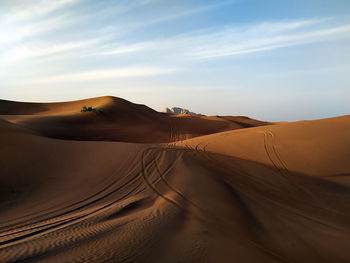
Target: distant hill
x,y
178,110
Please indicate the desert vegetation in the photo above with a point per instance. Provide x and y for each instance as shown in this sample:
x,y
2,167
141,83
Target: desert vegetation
x,y
98,111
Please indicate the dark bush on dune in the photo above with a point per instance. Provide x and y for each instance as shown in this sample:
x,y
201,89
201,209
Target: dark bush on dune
x,y
98,111
83,109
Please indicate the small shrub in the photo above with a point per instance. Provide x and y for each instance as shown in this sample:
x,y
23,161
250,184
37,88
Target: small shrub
x,y
98,111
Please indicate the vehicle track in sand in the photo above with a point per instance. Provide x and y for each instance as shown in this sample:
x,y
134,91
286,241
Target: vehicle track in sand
x,y
22,239
62,210
163,174
20,242
281,168
93,199
50,220
149,170
278,165
275,158
205,216
62,236
184,202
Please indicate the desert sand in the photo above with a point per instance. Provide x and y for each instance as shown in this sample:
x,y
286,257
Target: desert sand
x,y
136,185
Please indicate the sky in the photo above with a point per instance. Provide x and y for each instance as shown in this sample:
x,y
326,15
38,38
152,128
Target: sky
x,y
270,60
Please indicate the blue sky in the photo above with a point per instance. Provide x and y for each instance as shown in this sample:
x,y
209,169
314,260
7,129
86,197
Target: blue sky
x,y
272,60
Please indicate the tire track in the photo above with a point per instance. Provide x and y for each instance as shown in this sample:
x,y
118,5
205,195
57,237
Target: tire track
x,y
208,219
162,176
282,171
74,215
150,185
281,167
132,169
72,219
61,237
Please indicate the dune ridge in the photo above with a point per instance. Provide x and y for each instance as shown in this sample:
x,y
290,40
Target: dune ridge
x,y
136,185
123,121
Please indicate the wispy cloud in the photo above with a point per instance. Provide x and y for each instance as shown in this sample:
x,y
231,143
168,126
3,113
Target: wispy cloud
x,y
233,40
29,19
14,33
262,42
44,50
189,12
126,49
103,74
37,9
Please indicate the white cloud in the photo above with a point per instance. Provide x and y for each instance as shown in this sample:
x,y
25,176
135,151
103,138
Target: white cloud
x,y
14,33
36,10
103,74
125,49
45,50
260,42
231,41
29,19
185,13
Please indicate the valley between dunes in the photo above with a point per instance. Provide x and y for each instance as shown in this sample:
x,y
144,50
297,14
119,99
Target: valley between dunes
x,y
136,185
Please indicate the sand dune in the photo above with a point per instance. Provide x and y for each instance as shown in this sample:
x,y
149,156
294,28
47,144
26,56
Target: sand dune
x,y
123,121
170,188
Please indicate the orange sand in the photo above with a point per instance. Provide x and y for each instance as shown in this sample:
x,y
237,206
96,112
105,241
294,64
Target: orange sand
x,y
135,185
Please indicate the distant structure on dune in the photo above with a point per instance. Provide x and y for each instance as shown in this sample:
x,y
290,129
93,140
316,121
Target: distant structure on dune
x,y
178,110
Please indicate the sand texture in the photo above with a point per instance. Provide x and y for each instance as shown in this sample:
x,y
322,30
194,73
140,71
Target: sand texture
x,y
136,185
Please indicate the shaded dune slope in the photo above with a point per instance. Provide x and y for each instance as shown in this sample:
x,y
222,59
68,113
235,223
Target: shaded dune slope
x,y
275,193
122,121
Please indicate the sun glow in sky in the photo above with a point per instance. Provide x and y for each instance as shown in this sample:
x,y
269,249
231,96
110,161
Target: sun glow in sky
x,y
272,60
